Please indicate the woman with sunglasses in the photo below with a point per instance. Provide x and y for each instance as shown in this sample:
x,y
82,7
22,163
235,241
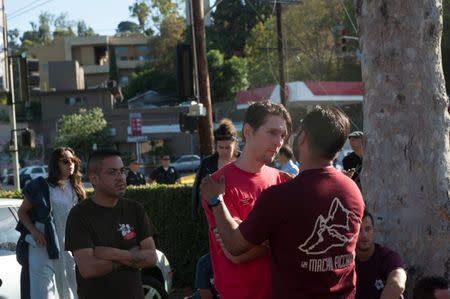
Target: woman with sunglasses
x,y
43,214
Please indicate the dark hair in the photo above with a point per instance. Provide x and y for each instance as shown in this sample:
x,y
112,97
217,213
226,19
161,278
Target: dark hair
x,y
425,287
327,129
257,113
54,173
286,151
367,214
226,131
98,156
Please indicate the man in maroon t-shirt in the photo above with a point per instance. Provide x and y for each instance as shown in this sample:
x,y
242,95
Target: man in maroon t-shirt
x,y
380,271
312,222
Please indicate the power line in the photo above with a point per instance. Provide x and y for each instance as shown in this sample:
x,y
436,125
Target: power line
x,y
22,8
348,16
31,8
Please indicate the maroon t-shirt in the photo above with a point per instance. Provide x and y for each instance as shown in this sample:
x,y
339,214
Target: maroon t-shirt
x,y
312,223
372,274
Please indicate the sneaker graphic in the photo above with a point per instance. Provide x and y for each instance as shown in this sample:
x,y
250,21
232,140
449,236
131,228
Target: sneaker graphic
x,y
336,230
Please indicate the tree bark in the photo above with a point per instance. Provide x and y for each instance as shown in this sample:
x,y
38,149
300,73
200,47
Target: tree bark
x,y
406,170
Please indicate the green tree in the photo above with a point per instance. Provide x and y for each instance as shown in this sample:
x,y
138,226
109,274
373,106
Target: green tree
x,y
309,44
82,130
141,11
227,76
84,30
127,26
159,74
232,22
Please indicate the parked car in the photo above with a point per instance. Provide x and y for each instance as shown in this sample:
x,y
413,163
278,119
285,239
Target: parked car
x,y
26,174
187,163
157,281
10,269
31,172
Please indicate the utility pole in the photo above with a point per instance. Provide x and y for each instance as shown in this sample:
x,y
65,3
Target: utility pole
x,y
205,123
13,148
281,54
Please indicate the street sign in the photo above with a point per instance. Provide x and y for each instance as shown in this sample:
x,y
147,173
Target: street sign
x,y
136,123
137,138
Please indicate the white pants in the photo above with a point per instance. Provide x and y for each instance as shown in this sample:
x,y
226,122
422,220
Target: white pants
x,y
42,271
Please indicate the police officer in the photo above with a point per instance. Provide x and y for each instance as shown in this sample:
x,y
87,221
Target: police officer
x,y
135,177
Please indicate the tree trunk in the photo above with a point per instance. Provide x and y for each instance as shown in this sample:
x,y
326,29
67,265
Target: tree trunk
x,y
405,178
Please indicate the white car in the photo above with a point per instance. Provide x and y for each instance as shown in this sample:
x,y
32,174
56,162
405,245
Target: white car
x,y
9,269
187,163
157,281
31,172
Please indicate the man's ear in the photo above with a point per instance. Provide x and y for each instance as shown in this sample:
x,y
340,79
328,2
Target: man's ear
x,y
302,138
247,131
93,178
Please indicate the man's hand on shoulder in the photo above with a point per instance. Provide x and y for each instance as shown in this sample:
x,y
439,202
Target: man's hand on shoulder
x,y
210,188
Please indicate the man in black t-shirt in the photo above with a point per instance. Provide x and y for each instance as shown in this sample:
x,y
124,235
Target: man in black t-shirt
x,y
165,174
380,270
109,236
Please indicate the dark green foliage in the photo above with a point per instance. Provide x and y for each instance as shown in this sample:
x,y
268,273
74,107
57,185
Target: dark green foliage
x,y
147,78
227,76
233,22
181,239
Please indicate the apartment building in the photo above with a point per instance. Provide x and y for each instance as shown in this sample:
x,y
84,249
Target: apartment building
x,y
93,54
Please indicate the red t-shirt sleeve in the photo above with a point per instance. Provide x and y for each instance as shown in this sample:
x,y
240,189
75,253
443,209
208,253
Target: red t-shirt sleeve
x,y
262,219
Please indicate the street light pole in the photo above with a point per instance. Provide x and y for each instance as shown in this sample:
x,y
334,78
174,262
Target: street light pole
x,y
281,54
13,148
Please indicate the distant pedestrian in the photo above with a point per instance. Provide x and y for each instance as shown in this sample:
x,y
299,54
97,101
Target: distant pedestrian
x,y
352,163
380,270
109,236
285,157
134,176
43,214
165,174
432,287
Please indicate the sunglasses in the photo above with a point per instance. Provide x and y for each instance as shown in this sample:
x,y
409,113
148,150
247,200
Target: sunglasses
x,y
67,161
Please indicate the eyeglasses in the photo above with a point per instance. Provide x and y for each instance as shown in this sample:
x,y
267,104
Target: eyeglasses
x,y
165,159
67,160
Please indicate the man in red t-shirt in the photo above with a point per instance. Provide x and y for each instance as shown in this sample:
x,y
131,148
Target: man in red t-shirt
x,y
247,276
311,222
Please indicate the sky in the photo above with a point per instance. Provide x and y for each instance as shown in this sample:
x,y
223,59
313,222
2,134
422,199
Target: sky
x,y
102,15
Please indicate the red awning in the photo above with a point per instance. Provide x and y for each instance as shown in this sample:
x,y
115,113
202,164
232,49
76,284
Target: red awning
x,y
254,95
335,88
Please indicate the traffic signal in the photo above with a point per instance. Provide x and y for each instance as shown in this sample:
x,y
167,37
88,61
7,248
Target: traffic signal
x,y
28,139
185,72
188,124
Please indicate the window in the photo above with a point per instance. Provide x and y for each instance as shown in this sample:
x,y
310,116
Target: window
x,y
72,101
37,170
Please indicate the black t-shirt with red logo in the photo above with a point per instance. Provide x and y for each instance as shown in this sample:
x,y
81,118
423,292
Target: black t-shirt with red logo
x,y
312,223
123,226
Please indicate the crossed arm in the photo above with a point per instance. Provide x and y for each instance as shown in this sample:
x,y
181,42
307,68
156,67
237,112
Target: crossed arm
x,y
100,260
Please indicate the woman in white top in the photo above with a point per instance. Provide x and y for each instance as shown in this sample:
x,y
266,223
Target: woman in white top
x,y
46,204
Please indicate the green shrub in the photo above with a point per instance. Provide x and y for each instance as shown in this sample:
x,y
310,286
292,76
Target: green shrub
x,y
181,239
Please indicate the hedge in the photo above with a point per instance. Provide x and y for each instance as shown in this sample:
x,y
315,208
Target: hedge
x,y
181,239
